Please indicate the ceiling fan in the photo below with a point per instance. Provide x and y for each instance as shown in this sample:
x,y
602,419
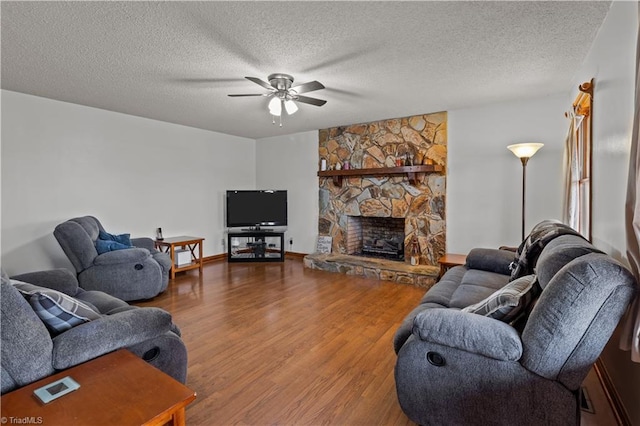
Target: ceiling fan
x,y
284,94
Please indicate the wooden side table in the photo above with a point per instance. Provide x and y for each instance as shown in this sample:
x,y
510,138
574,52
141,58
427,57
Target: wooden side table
x,y
168,245
115,389
449,260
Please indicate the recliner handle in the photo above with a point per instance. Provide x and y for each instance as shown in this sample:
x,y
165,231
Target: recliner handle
x,y
436,359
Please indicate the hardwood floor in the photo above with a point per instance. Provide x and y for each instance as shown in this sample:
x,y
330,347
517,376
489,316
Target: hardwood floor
x,y
276,343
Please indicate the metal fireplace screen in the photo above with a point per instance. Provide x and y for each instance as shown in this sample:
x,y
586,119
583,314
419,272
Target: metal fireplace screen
x,y
381,237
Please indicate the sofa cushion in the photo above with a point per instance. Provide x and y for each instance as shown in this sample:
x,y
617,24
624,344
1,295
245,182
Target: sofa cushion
x,y
57,311
59,279
509,302
475,286
492,260
442,291
558,253
104,303
574,318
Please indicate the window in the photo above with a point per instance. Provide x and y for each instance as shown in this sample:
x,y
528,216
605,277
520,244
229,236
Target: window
x,y
578,162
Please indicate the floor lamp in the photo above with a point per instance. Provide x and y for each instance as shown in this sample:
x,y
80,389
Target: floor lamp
x,y
524,151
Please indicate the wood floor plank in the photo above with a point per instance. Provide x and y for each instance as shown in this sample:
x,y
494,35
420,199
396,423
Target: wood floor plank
x,y
279,344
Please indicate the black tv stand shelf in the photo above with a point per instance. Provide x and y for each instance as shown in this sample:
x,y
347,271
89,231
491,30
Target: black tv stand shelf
x,y
259,245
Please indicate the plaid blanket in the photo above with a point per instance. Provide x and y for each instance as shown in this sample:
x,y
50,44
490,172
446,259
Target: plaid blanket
x,y
530,249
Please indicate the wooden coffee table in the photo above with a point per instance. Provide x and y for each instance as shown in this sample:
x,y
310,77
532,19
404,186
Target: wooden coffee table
x,y
115,389
168,245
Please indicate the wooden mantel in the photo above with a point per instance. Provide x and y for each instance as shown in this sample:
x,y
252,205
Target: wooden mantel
x,y
410,171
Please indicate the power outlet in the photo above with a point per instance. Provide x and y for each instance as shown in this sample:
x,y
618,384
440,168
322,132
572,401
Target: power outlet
x,y
290,241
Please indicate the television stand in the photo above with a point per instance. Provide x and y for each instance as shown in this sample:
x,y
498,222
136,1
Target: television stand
x,y
257,245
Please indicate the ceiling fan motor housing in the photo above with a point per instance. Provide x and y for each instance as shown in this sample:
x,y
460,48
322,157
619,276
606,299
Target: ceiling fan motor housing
x,y
281,82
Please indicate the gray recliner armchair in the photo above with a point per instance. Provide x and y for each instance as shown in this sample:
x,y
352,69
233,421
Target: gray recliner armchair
x,y
136,273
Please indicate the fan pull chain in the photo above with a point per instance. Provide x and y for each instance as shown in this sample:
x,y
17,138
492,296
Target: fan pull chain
x,y
281,121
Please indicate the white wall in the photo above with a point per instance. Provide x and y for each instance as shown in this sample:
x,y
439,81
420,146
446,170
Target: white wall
x,y
61,160
611,62
484,179
291,162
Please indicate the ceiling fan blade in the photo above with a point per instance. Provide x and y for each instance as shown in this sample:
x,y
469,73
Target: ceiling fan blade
x,y
250,94
308,100
260,82
308,87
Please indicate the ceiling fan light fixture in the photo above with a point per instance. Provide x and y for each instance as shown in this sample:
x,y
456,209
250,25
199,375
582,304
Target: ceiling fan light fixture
x,y
291,107
275,106
283,95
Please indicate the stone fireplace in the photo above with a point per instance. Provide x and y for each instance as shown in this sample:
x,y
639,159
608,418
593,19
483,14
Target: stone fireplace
x,y
403,206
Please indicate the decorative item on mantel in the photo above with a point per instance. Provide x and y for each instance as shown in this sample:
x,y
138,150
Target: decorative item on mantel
x,y
408,161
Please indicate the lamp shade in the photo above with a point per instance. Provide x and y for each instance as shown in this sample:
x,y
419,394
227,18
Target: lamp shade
x,y
275,106
291,107
525,150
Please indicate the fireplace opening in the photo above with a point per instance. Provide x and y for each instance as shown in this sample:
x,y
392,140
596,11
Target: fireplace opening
x,y
381,237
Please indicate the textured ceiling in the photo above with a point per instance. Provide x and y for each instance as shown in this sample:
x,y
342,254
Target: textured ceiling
x,y
177,61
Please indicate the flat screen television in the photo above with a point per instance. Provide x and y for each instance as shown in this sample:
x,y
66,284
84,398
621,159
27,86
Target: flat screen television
x,y
256,208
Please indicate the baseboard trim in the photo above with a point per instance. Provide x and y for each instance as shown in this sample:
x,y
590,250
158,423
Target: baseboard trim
x,y
611,394
214,258
294,255
223,256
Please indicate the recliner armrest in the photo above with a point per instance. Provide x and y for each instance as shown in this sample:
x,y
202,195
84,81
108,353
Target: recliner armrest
x,y
492,260
61,280
144,242
107,334
129,255
469,332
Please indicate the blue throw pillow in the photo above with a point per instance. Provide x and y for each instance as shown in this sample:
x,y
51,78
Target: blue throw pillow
x,y
103,246
122,238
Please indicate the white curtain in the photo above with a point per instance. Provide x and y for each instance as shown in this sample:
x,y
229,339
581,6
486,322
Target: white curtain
x,y
571,210
631,328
